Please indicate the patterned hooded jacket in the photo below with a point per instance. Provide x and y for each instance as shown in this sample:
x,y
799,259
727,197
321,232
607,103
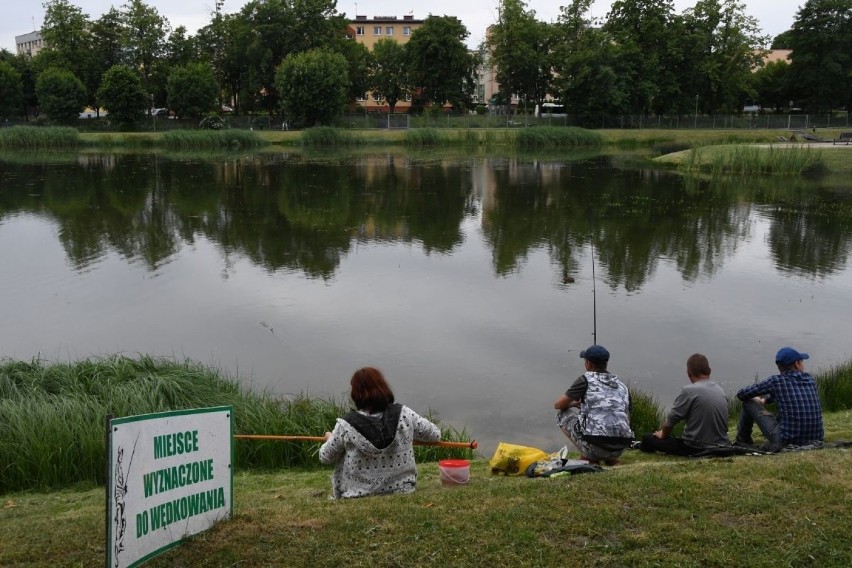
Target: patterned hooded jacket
x,y
374,454
605,410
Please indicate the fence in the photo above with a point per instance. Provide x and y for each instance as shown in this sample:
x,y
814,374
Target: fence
x,y
465,121
623,121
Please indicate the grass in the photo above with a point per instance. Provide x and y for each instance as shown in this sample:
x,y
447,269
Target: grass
x,y
742,159
38,138
210,139
780,510
51,434
551,137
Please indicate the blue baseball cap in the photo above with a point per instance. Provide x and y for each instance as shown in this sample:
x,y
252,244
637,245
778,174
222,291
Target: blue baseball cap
x,y
597,352
787,356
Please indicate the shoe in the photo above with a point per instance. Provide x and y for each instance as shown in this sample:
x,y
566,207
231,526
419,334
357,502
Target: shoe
x,y
590,460
636,445
750,445
612,461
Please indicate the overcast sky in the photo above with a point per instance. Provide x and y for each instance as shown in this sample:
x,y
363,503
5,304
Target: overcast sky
x,y
23,16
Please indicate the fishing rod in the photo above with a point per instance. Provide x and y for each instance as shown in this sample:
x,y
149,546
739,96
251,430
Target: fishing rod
x,y
594,300
472,445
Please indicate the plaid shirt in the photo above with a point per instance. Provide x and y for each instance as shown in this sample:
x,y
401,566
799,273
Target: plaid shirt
x,y
799,410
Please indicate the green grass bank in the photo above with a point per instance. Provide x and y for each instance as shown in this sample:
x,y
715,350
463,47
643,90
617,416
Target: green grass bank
x,y
51,435
781,510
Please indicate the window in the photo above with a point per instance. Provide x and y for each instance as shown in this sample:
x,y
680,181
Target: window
x,y
359,30
407,97
378,97
377,30
389,30
406,30
360,98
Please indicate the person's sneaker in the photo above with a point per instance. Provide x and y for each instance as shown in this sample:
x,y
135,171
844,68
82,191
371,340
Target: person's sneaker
x,y
612,461
749,444
636,445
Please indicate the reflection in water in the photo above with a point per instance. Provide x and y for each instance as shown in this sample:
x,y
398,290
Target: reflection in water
x,y
467,279
299,215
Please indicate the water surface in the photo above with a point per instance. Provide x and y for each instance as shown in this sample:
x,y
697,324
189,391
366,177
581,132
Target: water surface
x,y
468,280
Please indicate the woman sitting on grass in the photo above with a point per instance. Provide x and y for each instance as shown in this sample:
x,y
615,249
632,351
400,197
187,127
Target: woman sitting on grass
x,y
373,446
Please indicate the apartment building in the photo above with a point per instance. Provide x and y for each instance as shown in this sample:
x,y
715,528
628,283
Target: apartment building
x,y
29,44
368,31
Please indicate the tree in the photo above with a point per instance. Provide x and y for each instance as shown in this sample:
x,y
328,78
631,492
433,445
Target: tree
x,y
69,43
108,34
772,85
11,91
122,95
519,50
390,72
729,47
144,40
278,28
312,86
821,61
192,89
61,95
441,67
360,62
641,32
587,78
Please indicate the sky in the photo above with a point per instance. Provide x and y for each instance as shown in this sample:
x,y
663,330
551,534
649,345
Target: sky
x,y
23,16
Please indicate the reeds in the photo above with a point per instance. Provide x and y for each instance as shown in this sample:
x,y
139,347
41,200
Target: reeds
x,y
552,137
232,139
324,137
740,159
425,137
38,138
646,414
835,388
53,416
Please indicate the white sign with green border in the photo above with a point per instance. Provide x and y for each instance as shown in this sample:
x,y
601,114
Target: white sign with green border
x,y
170,477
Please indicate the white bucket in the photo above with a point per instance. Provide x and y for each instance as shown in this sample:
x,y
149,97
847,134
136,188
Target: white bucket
x,y
454,472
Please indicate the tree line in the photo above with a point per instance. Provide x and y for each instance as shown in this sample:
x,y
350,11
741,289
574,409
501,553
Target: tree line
x,y
297,57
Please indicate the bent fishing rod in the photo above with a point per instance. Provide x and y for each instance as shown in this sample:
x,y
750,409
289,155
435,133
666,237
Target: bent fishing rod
x,y
472,445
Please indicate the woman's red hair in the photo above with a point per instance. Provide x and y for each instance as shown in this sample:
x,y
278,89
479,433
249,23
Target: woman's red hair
x,y
370,390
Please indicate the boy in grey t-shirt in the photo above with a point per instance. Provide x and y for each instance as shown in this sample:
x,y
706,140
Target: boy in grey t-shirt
x,y
704,407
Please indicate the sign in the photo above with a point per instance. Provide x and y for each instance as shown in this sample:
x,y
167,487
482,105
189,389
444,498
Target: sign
x,y
170,477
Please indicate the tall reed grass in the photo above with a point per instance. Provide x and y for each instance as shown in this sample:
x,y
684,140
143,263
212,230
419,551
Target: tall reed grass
x,y
211,139
325,136
740,159
425,137
38,138
52,416
552,137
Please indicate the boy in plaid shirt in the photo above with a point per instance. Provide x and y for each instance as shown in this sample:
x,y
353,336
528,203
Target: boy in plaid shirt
x,y
794,392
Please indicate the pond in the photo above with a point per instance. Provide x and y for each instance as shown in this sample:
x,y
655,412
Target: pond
x,y
467,279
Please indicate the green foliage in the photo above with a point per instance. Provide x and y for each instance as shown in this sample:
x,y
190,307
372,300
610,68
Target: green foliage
x,y
210,139
390,79
192,90
53,416
646,414
754,160
519,48
821,67
424,137
122,96
38,138
325,136
835,388
552,137
11,91
439,62
312,85
61,95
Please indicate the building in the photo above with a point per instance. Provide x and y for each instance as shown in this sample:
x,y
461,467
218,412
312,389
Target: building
x,y
367,32
29,44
